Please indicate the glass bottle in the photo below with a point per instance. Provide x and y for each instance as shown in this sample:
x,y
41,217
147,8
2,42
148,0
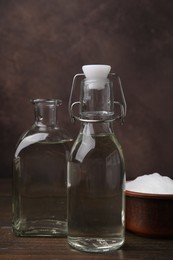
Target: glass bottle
x,y
96,171
39,181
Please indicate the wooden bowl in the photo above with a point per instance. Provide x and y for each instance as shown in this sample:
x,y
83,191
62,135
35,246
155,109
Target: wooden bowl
x,y
149,214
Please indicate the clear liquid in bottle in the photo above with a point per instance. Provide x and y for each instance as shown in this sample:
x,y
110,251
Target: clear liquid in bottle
x,y
95,192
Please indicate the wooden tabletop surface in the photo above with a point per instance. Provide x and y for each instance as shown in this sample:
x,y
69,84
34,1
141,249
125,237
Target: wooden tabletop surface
x,y
21,248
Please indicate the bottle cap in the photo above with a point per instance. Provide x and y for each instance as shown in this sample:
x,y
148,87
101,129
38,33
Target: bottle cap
x,y
96,71
96,75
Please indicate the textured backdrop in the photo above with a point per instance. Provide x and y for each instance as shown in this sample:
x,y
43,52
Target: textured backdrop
x,y
44,43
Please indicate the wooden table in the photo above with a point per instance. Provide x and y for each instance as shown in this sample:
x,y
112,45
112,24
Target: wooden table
x,y
21,248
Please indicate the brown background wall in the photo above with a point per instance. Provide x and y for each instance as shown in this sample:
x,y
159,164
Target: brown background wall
x,y
44,43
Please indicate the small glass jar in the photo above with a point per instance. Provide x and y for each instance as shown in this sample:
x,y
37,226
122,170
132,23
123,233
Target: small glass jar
x,y
39,175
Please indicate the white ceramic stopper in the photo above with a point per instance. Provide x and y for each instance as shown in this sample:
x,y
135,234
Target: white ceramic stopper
x,y
96,72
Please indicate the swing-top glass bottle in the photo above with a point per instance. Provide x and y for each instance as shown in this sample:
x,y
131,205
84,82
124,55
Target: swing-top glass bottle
x,y
39,181
96,171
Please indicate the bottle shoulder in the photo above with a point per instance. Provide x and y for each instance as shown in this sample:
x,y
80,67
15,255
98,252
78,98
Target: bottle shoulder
x,y
35,135
101,145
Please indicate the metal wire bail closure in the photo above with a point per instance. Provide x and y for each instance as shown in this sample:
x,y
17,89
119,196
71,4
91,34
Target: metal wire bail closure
x,y
122,106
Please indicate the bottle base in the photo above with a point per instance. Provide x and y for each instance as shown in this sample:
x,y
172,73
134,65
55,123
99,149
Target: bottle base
x,y
95,244
44,229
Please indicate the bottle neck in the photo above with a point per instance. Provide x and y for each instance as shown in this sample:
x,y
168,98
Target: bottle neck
x,y
46,113
100,128
97,101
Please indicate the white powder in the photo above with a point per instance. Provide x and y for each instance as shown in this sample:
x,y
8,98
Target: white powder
x,y
151,183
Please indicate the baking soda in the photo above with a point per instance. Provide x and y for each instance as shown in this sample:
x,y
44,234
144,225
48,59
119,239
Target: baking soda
x,y
152,183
